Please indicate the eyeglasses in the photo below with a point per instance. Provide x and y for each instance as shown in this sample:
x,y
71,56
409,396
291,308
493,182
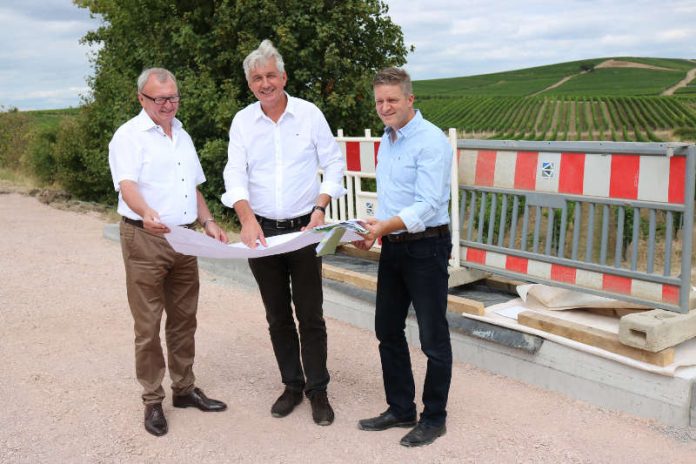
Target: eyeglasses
x,y
162,100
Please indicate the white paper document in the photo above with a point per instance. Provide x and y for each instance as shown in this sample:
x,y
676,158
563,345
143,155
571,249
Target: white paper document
x,y
190,242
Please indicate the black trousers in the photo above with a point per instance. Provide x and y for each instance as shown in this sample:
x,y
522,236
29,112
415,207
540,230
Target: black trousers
x,y
414,272
291,279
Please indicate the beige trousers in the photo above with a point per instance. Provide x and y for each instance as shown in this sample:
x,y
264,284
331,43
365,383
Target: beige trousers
x,y
159,279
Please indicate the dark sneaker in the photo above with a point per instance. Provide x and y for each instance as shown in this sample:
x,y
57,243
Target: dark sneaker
x,y
286,403
322,413
385,421
423,434
155,422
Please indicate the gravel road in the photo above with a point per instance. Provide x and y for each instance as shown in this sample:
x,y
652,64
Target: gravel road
x,y
69,394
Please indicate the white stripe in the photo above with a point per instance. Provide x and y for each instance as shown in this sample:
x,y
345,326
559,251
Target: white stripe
x,y
539,269
647,290
589,279
467,167
495,260
504,176
653,179
597,175
367,156
547,179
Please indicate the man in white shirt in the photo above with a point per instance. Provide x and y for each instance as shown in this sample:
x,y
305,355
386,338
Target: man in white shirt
x,y
156,171
276,147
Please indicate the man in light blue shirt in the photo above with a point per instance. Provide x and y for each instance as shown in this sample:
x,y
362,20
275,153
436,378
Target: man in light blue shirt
x,y
413,185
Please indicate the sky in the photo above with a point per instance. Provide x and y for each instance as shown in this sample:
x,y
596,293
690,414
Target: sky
x,y
43,64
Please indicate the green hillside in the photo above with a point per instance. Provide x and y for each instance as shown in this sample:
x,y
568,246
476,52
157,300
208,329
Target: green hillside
x,y
599,99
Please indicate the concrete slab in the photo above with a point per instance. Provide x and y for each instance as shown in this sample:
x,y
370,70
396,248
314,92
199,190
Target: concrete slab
x,y
657,330
524,357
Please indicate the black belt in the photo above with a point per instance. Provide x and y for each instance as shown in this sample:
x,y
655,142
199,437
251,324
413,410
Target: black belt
x,y
281,224
429,232
139,223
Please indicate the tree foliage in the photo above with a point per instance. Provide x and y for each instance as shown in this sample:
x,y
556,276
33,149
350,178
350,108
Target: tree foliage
x,y
331,50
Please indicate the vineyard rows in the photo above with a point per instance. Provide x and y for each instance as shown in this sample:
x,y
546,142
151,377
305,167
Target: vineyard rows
x,y
640,119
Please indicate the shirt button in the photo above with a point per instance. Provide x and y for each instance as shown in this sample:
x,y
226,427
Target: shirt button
x,y
182,180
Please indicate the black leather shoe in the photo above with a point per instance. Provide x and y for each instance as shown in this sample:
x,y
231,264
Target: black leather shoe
x,y
155,422
385,421
197,399
322,413
286,403
423,434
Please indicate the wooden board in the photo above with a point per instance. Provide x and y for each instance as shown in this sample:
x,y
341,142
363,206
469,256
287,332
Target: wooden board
x,y
592,336
367,282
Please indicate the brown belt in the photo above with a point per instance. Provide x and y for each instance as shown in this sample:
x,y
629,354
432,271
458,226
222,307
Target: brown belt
x,y
429,232
139,223
282,224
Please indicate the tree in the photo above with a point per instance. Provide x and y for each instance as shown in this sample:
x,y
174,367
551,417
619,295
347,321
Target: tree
x,y
331,49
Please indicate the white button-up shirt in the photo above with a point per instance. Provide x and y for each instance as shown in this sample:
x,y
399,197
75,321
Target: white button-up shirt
x,y
166,170
274,166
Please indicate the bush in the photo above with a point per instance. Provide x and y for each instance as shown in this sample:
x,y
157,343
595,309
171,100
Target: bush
x,y
14,131
81,170
39,157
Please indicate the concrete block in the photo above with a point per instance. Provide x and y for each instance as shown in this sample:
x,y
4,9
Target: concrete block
x,y
657,329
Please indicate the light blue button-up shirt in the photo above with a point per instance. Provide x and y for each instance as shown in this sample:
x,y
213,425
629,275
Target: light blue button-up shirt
x,y
413,175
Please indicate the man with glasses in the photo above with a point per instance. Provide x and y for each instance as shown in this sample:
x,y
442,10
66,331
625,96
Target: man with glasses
x,y
276,147
156,171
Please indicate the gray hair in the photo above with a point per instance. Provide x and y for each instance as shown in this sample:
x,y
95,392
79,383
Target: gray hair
x,y
161,74
261,56
394,76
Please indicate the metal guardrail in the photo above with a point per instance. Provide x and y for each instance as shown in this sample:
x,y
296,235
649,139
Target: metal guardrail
x,y
607,218
599,217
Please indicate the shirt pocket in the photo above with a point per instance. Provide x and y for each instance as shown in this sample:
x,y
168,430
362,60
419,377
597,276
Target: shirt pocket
x,y
404,168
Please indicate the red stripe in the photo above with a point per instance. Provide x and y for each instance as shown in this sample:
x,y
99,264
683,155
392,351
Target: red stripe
x,y
353,156
616,284
376,151
572,173
476,256
563,273
670,294
677,173
485,168
515,264
624,176
526,170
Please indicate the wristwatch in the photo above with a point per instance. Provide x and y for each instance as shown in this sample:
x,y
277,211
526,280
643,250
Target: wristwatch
x,y
320,208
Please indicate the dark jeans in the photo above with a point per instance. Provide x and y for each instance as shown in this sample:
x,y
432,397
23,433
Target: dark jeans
x,y
414,272
294,277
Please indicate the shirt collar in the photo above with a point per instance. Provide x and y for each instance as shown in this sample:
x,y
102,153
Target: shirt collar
x,y
409,128
289,108
145,122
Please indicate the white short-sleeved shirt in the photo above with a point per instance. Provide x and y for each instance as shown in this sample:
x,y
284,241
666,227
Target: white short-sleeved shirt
x,y
166,170
274,165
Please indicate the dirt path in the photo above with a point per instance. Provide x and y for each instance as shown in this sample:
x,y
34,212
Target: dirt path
x,y
690,76
69,394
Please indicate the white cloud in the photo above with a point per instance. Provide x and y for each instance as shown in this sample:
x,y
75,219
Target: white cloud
x,y
43,65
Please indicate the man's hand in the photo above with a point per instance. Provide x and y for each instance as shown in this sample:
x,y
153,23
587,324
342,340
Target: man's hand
x,y
251,231
316,219
151,222
215,231
374,228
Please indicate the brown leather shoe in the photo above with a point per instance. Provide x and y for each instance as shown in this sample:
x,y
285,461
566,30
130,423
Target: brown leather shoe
x,y
322,413
155,422
286,403
197,399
